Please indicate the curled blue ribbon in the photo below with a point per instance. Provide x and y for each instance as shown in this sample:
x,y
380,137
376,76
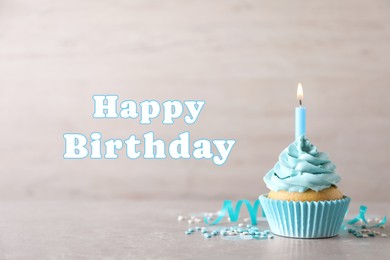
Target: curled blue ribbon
x,y
362,217
234,214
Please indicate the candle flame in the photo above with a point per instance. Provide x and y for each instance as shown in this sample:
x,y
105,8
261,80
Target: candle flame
x,y
300,93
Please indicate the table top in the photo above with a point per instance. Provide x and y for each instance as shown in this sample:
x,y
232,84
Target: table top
x,y
148,229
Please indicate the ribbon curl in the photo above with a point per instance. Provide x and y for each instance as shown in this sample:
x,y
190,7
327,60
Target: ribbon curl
x,y
234,214
362,217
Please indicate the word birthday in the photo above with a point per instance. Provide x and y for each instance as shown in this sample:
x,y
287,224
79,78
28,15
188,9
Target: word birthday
x,y
77,146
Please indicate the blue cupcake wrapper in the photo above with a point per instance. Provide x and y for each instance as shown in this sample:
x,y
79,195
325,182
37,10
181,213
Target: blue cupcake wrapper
x,y
305,219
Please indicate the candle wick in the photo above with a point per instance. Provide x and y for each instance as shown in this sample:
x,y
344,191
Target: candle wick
x,y
300,102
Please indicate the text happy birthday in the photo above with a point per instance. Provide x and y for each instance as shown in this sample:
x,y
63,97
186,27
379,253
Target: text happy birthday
x,y
77,146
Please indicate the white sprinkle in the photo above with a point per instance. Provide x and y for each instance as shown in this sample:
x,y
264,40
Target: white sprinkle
x,y
190,221
180,218
241,225
383,235
197,220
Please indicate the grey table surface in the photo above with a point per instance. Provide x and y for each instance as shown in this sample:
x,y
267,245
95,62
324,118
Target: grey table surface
x,y
148,229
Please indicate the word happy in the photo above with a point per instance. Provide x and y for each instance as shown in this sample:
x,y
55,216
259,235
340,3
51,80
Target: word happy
x,y
78,146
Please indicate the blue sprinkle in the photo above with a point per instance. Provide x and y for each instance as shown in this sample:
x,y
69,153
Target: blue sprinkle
x,y
207,235
204,231
358,234
214,233
197,228
188,233
191,230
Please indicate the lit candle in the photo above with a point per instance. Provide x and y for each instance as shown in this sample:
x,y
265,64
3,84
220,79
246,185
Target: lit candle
x,y
300,115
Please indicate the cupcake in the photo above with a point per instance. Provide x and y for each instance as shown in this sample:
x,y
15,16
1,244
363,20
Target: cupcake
x,y
304,200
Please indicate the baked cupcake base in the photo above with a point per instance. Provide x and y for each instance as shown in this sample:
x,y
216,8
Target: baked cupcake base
x,y
331,193
305,219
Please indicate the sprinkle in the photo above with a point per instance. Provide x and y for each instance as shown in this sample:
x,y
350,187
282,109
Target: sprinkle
x,y
214,233
191,230
204,231
197,220
240,225
248,226
180,218
207,235
270,237
197,228
383,235
188,233
358,234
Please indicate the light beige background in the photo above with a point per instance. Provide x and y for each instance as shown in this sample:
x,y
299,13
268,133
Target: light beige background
x,y
244,58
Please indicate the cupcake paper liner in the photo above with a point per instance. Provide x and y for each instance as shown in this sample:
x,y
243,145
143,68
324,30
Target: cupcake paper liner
x,y
305,219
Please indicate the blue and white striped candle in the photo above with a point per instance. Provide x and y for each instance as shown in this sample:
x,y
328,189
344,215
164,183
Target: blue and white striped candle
x,y
300,115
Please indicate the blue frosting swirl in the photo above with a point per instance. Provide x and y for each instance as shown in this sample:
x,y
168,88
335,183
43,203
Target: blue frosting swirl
x,y
302,167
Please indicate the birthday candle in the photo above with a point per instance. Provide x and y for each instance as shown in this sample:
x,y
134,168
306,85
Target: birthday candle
x,y
300,115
